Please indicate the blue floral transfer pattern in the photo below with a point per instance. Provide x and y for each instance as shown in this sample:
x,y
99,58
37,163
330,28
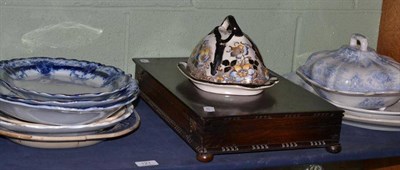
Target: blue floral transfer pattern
x,y
349,69
46,69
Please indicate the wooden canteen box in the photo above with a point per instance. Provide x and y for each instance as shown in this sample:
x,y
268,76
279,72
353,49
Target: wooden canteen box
x,y
282,117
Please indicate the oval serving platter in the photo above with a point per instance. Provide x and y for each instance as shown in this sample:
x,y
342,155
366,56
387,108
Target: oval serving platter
x,y
39,129
55,142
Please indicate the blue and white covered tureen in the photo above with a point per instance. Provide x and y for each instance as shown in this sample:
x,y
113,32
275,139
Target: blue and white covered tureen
x,y
354,75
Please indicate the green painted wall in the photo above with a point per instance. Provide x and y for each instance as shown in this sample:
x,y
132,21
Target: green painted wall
x,y
114,31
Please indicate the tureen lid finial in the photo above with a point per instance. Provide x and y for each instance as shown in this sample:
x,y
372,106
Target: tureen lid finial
x,y
359,38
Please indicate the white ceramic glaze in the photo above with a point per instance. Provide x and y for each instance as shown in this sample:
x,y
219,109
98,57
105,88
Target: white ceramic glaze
x,y
393,110
56,115
383,120
227,56
369,126
391,114
59,78
376,117
131,90
56,145
56,142
69,130
228,89
354,75
373,121
354,99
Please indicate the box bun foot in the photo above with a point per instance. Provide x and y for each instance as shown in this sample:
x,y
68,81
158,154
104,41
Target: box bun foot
x,y
205,157
334,148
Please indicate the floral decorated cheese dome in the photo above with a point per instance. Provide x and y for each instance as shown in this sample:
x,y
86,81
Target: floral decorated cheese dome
x,y
228,56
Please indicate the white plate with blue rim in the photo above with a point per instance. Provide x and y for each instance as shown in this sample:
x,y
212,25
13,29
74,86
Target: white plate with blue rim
x,y
131,90
62,79
56,115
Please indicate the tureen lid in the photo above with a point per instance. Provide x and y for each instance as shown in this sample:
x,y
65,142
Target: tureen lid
x,y
353,68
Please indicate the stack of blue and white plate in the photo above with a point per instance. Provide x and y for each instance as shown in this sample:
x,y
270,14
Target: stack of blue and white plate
x,y
64,103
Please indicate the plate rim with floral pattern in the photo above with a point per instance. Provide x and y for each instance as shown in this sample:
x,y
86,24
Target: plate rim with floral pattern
x,y
28,61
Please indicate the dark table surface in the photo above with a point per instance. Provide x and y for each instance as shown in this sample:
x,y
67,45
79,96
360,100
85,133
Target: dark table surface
x,y
154,140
